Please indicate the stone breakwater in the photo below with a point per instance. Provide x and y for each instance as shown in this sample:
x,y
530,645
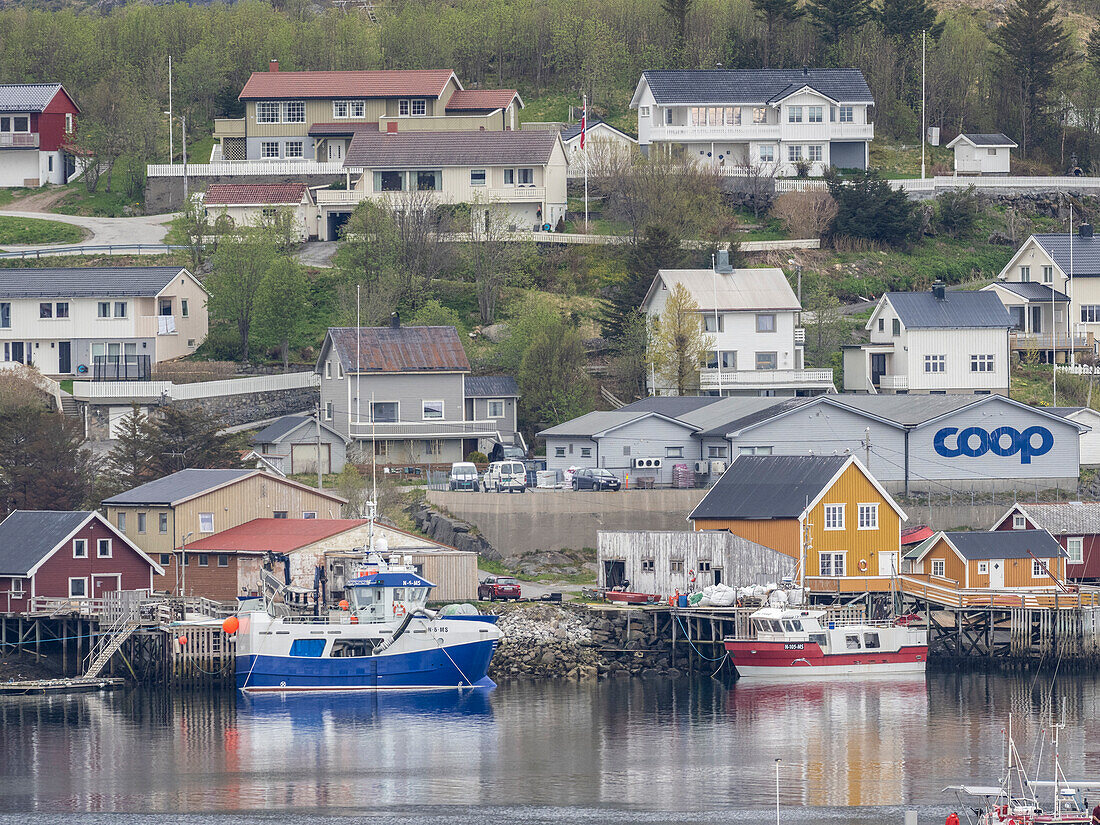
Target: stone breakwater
x,y
549,641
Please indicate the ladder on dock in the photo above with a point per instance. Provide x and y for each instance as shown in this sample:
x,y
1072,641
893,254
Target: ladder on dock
x,y
109,643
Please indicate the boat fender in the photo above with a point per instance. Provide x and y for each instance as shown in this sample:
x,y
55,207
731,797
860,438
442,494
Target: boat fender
x,y
863,565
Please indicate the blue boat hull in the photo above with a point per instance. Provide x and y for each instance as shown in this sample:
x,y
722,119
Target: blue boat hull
x,y
465,665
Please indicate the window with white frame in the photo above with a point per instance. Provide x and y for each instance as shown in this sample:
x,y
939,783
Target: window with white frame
x,y
206,522
103,549
816,152
767,361
674,452
120,309
5,315
814,114
759,114
647,565
68,123
477,177
716,452
403,108
495,408
17,590
938,567
526,177
586,452
103,309
767,153
559,452
935,363
830,564
309,514
162,523
267,112
794,153
121,518
1038,570
1019,522
981,363
794,114
419,107
1090,313
834,516
78,588
269,149
1025,274
80,548
339,109
294,112
1075,549
895,327
294,149
868,516
328,369
328,411
433,410
983,568
509,177
668,117
643,111
1048,274
847,114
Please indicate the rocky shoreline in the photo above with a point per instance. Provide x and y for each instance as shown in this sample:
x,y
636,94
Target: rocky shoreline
x,y
552,641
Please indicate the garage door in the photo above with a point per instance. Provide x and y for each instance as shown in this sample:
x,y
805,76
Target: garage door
x,y
303,458
114,418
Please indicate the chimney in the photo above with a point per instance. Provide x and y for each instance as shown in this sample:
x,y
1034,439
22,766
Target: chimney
x,y
273,65
939,291
722,264
805,71
1085,230
395,321
391,127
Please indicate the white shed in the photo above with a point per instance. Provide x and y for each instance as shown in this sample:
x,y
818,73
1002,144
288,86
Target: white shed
x,y
608,148
982,154
1090,441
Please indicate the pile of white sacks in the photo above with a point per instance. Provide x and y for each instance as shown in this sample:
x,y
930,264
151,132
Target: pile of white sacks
x,y
721,595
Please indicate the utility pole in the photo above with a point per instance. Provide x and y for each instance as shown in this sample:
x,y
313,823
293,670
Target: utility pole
x,y
867,448
183,126
171,148
320,478
923,124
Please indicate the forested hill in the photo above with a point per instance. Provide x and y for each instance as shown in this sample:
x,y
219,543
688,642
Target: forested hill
x,y
553,50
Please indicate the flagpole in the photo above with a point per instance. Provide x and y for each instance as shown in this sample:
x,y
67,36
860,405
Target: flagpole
x,y
584,148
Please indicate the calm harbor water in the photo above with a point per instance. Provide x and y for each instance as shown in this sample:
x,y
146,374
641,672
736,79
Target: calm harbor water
x,y
624,751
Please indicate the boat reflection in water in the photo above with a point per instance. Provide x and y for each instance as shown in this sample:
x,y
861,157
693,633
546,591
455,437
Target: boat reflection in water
x,y
315,710
842,742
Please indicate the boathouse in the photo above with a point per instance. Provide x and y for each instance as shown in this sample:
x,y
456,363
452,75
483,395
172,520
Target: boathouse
x,y
75,555
995,560
1076,526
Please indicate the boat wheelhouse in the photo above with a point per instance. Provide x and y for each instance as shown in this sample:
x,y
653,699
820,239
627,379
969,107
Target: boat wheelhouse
x,y
789,642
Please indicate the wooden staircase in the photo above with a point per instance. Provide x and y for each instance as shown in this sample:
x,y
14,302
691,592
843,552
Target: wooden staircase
x,y
108,644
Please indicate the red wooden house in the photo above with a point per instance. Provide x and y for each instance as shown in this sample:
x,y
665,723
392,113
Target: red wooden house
x,y
37,124
67,555
1076,526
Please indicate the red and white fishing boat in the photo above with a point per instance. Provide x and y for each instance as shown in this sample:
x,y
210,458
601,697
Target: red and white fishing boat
x,y
790,642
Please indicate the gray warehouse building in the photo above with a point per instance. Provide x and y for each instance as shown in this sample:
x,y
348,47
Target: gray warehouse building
x,y
909,443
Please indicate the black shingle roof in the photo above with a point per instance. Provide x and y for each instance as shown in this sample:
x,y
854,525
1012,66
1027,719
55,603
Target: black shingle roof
x,y
768,486
1086,252
176,487
86,282
959,310
427,149
1007,544
989,139
277,429
755,85
1032,291
28,536
671,405
491,386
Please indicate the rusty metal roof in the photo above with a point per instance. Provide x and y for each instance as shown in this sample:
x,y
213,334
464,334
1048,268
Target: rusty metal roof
x,y
399,349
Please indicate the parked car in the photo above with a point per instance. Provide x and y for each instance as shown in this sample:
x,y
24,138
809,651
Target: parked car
x,y
595,478
506,477
498,587
464,477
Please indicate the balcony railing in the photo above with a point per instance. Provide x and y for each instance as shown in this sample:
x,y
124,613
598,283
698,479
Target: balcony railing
x,y
121,368
713,379
794,132
800,335
509,194
893,382
18,140
425,429
1062,340
229,127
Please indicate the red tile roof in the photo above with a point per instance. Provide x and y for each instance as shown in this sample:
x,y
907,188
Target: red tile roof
x,y
279,535
481,99
327,85
405,349
251,193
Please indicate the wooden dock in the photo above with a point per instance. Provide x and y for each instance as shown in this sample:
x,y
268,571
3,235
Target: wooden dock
x,y
40,686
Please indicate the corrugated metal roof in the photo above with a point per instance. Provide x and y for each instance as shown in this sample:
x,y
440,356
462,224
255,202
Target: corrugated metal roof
x,y
27,97
768,486
86,282
178,486
906,410
426,149
28,536
229,194
1006,544
491,386
1086,252
592,423
1031,291
350,84
479,100
277,535
404,349
743,289
748,414
755,85
958,310
1076,517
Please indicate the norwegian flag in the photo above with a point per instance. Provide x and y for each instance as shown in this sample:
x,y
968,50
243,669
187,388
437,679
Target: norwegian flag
x,y
584,122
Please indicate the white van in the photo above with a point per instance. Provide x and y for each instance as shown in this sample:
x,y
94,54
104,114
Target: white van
x,y
506,477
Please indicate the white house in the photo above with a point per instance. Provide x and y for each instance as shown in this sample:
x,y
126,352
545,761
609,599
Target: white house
x,y
37,124
1068,264
773,119
752,317
982,154
934,342
523,172
101,322
249,203
607,148
1090,440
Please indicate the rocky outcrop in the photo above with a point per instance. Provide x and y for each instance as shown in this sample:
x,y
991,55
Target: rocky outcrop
x,y
447,530
550,641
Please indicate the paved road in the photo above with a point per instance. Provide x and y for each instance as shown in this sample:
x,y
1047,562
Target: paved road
x,y
145,229
536,590
317,253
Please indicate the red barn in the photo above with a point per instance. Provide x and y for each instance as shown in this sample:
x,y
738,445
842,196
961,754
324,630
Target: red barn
x,y
67,554
1076,525
37,124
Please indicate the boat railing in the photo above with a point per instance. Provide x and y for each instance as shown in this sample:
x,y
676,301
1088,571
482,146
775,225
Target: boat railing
x,y
827,623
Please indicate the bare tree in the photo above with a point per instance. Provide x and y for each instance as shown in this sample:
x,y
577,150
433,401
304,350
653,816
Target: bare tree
x,y
804,214
491,255
756,183
676,194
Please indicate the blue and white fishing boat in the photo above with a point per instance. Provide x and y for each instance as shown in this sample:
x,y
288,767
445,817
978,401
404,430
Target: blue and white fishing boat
x,y
382,638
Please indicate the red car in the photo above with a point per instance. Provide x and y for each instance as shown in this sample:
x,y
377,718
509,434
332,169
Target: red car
x,y
498,587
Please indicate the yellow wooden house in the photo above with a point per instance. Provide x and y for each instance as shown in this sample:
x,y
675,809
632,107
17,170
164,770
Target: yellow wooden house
x,y
828,512
997,560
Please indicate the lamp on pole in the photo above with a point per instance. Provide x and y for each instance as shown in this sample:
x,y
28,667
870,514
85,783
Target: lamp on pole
x,y
183,563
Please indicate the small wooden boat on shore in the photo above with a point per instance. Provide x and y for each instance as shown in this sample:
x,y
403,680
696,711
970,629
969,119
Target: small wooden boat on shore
x,y
625,597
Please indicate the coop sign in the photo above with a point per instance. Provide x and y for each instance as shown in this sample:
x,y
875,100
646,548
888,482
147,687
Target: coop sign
x,y
973,442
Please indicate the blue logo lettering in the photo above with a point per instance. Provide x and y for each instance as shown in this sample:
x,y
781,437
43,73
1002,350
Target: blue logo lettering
x,y
1003,441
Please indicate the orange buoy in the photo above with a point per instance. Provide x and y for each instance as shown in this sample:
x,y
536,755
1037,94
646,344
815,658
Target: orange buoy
x,y
343,604
182,640
231,625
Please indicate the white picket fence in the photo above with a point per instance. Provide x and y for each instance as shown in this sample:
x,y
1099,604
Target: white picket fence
x,y
97,391
945,183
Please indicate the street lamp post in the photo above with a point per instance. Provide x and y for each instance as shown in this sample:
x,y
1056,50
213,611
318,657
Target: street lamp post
x,y
183,563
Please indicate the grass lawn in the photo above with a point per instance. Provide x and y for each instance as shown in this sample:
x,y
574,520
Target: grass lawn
x,y
893,160
66,385
554,107
1032,384
35,231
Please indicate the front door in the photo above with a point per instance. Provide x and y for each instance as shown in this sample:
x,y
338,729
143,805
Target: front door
x,y
64,357
17,352
1036,318
335,151
614,572
878,366
996,573
888,564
